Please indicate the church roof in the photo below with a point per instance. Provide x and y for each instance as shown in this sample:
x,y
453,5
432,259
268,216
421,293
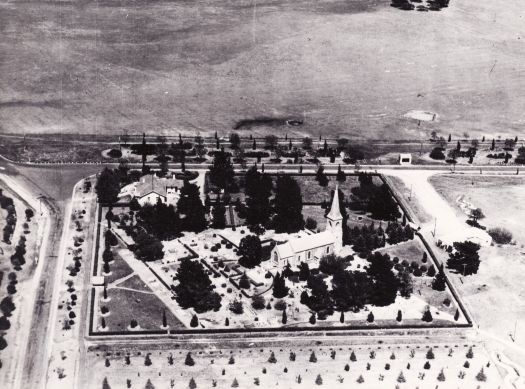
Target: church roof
x,y
305,243
335,212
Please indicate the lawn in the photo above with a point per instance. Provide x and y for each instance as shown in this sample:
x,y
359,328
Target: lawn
x,y
119,268
135,283
411,251
145,308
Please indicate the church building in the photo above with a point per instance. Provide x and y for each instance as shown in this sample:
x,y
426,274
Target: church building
x,y
312,248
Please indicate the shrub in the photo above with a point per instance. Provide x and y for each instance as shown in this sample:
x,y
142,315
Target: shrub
x,y
194,321
426,366
470,353
114,153
258,302
237,307
437,154
280,305
481,376
500,235
311,224
430,354
313,358
189,360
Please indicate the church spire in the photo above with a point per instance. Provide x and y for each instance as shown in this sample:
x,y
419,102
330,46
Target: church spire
x,y
335,212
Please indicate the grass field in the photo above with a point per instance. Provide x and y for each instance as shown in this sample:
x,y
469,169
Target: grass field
x,y
354,67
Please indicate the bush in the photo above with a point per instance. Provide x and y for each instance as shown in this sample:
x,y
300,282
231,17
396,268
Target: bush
x,y
237,307
500,235
258,302
114,153
280,305
311,224
437,153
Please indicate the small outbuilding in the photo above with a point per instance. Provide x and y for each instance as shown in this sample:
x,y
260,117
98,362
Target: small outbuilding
x,y
405,159
97,280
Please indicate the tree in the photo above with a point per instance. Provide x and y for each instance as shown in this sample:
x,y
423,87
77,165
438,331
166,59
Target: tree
x,y
4,323
244,282
147,247
350,290
399,317
441,376
476,214
406,286
221,171
219,216
164,320
272,358
382,205
192,384
189,360
105,383
437,154
190,205
250,251
235,140
386,284
427,316
493,145
439,281
318,380
149,385
288,206
304,271
313,358
456,315
7,306
258,188
319,299
465,258
280,289
270,141
341,176
195,288
29,214
307,143
107,187
194,321
481,377
370,317
321,177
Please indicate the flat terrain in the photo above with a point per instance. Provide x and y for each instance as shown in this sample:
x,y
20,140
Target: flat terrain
x,y
495,294
220,367
344,66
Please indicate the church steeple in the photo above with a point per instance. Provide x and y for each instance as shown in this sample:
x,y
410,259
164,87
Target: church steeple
x,y
335,212
335,221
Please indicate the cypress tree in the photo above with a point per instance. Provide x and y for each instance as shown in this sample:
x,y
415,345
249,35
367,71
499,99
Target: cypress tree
x,y
189,360
427,316
194,321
